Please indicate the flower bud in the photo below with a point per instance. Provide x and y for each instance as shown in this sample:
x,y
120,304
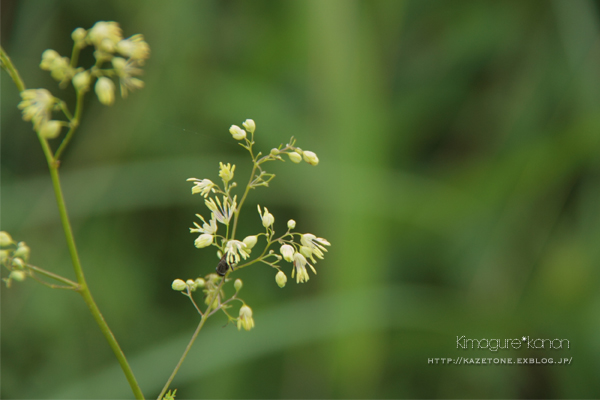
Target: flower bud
x,y
5,239
245,319
50,129
191,283
274,151
81,81
237,132
311,158
249,125
105,90
281,279
287,252
250,241
178,285
22,251
119,64
306,251
200,283
203,240
291,224
237,285
78,35
295,157
18,276
18,263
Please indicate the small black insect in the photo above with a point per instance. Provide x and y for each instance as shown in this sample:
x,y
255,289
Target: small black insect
x,y
223,266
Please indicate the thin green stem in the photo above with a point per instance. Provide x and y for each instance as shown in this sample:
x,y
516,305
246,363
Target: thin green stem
x,y
12,71
41,271
236,213
84,290
205,317
74,124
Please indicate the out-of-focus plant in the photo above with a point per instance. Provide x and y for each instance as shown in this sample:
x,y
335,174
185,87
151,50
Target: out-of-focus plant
x,y
120,60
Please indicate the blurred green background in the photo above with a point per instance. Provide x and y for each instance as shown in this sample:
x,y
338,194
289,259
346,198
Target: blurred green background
x,y
459,185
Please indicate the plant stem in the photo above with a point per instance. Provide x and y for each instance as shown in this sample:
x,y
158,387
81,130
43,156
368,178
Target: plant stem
x,y
74,123
205,316
41,271
83,287
12,71
236,213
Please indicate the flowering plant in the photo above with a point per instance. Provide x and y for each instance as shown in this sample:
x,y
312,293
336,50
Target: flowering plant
x,y
121,60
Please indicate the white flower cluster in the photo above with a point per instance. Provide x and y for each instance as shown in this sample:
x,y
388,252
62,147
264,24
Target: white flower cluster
x,y
125,56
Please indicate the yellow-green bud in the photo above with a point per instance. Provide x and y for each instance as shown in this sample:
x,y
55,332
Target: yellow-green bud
x,y
50,129
5,239
203,240
287,252
245,319
200,282
249,125
238,285
4,256
78,35
281,279
237,132
191,283
274,151
22,251
306,251
119,63
81,81
291,224
311,158
48,57
178,285
18,263
250,241
295,157
18,276
105,90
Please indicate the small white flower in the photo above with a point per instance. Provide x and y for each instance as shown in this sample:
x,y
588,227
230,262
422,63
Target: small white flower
x,y
295,157
287,252
281,279
267,218
291,224
315,244
105,90
245,319
237,132
224,212
249,125
204,240
37,106
134,48
226,172
202,186
102,30
300,268
234,249
310,157
210,228
81,81
127,70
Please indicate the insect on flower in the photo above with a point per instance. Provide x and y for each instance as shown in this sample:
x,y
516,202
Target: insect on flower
x,y
223,266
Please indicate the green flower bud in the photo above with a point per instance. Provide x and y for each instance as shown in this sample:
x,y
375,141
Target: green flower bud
x,y
5,239
238,285
237,132
18,263
105,90
203,240
18,276
287,252
291,224
274,151
200,283
249,125
50,129
178,285
281,279
78,35
191,283
295,157
311,158
81,81
250,241
22,251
